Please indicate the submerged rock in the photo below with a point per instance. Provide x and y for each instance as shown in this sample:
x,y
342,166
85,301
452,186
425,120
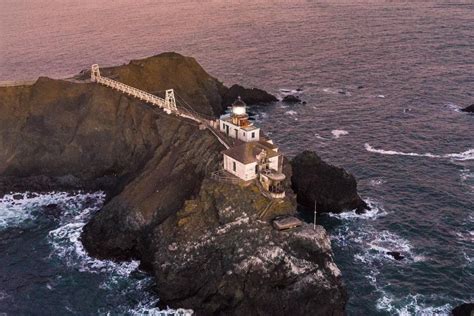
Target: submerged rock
x,y
291,99
469,109
396,255
333,189
250,96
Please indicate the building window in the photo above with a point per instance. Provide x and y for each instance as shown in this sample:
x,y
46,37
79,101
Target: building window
x,y
256,169
253,134
234,167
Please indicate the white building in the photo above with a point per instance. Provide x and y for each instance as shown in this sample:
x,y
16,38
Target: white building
x,y
237,124
247,159
255,157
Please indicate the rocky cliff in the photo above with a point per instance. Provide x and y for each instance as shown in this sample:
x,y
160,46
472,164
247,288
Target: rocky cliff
x,y
209,244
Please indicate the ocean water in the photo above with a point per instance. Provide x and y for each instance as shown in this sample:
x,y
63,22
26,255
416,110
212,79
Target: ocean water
x,y
383,81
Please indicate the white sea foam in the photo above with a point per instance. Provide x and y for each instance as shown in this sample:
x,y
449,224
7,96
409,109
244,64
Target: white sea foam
x,y
453,106
376,182
466,175
336,91
69,249
16,208
463,156
411,305
67,246
3,295
373,246
385,241
291,112
336,133
376,210
290,91
262,115
320,137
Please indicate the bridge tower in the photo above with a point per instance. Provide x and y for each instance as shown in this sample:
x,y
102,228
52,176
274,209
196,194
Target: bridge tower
x,y
95,72
170,101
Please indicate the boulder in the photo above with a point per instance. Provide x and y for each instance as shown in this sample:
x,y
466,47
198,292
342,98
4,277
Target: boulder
x,y
333,189
469,109
250,96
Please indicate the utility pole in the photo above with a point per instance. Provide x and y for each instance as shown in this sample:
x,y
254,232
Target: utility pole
x,y
314,223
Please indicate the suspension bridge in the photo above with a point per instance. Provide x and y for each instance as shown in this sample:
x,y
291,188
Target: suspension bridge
x,y
168,104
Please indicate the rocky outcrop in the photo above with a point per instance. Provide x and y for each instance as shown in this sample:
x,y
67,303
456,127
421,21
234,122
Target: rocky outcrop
x,y
209,244
333,189
466,309
469,109
250,96
219,256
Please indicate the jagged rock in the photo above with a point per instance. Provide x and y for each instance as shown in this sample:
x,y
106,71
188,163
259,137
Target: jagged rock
x,y
466,309
469,109
333,189
291,99
249,96
221,260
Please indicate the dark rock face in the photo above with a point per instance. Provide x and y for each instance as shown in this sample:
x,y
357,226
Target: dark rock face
x,y
291,99
469,109
221,260
466,309
333,189
210,245
249,96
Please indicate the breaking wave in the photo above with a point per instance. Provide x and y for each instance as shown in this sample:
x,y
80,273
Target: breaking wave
x,y
467,178
463,156
67,247
17,208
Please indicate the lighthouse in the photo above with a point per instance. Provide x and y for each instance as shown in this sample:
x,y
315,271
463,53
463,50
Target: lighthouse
x,y
253,157
237,125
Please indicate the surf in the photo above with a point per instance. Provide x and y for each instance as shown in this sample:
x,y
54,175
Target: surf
x,y
462,156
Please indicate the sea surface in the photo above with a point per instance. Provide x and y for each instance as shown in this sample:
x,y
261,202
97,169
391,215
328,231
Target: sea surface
x,y
383,81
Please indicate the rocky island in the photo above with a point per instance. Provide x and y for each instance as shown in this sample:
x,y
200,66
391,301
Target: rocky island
x,y
209,244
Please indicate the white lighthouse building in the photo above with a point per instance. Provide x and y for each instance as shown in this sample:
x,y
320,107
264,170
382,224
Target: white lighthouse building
x,y
237,124
253,156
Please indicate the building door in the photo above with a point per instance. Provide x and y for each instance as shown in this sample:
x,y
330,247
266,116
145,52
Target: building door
x,y
227,129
